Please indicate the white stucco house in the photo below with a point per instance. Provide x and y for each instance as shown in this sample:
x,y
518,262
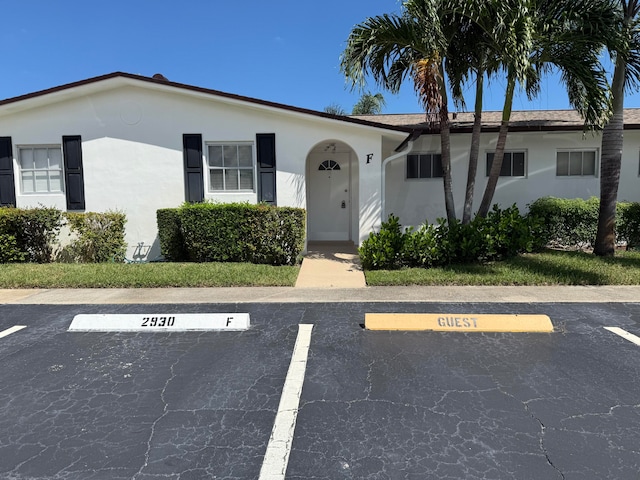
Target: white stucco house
x,y
136,144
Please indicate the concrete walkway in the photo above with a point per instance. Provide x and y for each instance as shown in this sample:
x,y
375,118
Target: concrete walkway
x,y
331,265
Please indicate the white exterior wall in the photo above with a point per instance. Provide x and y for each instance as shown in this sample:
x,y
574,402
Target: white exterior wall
x,y
133,151
132,144
417,200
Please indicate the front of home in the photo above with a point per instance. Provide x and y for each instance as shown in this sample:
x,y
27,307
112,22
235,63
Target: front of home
x,y
136,144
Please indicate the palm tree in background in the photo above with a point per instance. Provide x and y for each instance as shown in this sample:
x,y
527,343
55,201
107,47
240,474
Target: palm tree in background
x,y
626,77
369,104
335,109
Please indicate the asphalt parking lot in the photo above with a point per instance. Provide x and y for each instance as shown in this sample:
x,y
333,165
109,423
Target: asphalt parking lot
x,y
374,405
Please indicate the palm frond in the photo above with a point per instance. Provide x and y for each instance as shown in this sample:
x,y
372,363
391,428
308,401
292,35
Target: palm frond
x,y
427,79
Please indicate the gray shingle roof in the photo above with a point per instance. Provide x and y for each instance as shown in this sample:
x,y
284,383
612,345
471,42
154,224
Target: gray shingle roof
x,y
527,120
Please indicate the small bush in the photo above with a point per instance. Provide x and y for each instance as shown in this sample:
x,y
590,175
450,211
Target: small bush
x,y
99,237
502,234
421,247
35,231
383,250
9,251
628,228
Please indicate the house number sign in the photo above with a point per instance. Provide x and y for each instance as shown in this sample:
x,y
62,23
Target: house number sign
x,y
159,322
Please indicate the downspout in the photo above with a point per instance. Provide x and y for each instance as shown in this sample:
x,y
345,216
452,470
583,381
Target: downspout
x,y
402,153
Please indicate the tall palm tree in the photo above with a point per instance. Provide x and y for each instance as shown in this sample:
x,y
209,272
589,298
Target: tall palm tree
x,y
470,63
415,44
534,36
626,76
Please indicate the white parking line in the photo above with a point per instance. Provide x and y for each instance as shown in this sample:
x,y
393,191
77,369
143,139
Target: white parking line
x,y
276,457
624,334
11,330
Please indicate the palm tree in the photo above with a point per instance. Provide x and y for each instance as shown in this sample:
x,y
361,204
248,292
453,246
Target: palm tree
x,y
544,34
369,104
472,61
626,76
415,44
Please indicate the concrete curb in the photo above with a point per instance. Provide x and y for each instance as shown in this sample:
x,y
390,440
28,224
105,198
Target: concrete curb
x,y
451,295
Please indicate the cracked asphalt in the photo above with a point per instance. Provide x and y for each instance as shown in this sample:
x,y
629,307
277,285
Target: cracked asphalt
x,y
374,405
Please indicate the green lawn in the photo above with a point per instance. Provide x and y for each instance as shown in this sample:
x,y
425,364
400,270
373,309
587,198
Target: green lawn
x,y
548,268
118,275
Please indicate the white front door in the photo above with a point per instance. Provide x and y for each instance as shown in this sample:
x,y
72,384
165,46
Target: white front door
x,y
329,197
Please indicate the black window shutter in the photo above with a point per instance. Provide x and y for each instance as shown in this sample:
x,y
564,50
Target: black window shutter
x,y
193,176
266,143
7,183
73,173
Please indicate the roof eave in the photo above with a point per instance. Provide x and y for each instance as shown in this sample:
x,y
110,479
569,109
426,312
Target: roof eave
x,y
69,87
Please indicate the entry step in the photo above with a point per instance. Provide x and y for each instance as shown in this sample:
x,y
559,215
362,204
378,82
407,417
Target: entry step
x,y
159,322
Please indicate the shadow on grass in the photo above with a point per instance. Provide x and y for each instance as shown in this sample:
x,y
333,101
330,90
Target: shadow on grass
x,y
550,267
574,268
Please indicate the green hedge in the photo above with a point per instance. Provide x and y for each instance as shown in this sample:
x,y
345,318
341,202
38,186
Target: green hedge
x,y
502,234
32,235
29,234
235,232
574,222
628,228
170,234
99,237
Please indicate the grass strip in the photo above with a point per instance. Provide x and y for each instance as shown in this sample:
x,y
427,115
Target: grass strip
x,y
547,268
145,275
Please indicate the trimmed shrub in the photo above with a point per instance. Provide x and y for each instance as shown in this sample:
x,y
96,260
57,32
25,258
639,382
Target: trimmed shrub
x,y
34,230
212,232
99,237
236,232
567,222
628,227
170,234
574,222
273,235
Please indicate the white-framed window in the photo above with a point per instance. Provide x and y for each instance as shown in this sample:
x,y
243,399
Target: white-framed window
x,y
424,165
231,166
40,168
514,163
576,163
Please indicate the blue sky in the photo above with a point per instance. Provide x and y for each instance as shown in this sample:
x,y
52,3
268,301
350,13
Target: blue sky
x,y
280,50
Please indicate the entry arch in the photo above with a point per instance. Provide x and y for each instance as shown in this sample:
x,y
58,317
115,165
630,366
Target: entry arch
x,y
332,192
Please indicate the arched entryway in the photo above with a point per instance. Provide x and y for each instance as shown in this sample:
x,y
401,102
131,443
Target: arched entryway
x,y
332,192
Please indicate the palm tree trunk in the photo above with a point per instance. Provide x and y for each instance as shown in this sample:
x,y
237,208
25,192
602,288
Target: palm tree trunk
x,y
473,152
610,163
445,147
498,156
445,152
